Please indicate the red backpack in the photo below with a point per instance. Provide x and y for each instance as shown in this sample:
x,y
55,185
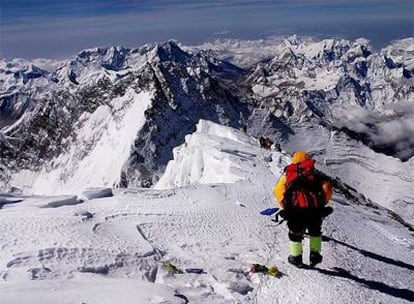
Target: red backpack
x,y
303,188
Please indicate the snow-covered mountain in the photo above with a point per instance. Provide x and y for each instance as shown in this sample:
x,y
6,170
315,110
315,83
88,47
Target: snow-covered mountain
x,y
342,85
111,250
54,131
111,117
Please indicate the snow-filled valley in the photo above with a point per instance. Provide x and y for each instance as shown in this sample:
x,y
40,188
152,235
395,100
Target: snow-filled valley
x,y
109,246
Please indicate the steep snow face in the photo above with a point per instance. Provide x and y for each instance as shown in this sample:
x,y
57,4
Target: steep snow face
x,y
106,136
211,155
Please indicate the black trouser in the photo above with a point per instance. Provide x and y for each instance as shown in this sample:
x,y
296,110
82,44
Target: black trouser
x,y
302,220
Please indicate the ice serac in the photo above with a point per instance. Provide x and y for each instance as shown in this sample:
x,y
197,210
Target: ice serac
x,y
212,155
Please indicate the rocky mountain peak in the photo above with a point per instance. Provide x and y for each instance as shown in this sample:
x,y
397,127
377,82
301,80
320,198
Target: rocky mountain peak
x,y
44,112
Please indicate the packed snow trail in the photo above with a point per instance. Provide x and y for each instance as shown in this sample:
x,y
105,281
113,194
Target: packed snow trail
x,y
201,226
47,253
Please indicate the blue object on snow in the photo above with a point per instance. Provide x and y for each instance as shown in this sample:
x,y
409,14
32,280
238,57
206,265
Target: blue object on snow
x,y
269,211
194,270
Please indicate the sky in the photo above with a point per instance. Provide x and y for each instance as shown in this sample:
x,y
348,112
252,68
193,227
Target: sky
x,y
59,29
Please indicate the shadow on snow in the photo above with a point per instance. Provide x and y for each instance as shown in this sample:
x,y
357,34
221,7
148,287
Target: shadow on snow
x,y
372,255
402,293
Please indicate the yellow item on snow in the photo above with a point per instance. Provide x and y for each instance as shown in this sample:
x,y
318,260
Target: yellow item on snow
x,y
171,268
273,271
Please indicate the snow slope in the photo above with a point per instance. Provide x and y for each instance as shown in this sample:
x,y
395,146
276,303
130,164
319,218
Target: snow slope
x,y
111,140
110,249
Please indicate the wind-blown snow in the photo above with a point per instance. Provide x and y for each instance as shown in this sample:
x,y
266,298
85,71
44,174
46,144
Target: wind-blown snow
x,y
110,249
109,148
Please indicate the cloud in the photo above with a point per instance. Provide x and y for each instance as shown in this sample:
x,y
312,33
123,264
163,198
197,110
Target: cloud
x,y
391,131
243,53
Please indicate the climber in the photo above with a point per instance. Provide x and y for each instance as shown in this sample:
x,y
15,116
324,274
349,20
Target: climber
x,y
303,194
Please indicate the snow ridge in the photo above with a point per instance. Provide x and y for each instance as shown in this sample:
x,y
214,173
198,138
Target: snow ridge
x,y
209,156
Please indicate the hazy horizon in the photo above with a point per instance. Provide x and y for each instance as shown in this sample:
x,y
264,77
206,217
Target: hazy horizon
x,y
58,29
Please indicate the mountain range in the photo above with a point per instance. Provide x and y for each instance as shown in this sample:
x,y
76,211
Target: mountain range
x,y
112,116
121,164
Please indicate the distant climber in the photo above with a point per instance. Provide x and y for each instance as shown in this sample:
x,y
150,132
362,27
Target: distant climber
x,y
278,148
265,142
303,194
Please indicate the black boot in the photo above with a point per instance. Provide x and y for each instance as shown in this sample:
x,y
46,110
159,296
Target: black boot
x,y
295,260
315,258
